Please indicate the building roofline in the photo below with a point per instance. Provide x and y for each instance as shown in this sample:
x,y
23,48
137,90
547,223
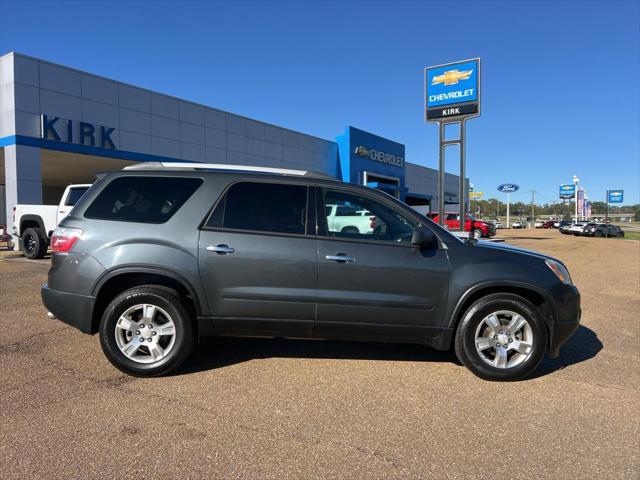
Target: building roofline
x,y
84,72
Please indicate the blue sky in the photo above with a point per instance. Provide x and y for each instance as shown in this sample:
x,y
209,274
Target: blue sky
x,y
560,80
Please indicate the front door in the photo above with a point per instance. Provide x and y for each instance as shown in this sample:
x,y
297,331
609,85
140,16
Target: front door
x,y
373,284
257,262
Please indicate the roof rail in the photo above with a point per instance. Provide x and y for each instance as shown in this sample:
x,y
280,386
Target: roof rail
x,y
222,166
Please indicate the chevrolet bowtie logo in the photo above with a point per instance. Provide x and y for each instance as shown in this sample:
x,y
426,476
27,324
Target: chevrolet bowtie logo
x,y
451,77
362,151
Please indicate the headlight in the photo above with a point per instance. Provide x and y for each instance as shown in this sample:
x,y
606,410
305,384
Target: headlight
x,y
561,272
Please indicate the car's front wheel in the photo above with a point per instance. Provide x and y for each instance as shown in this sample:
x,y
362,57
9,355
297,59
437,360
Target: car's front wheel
x,y
146,331
477,233
501,337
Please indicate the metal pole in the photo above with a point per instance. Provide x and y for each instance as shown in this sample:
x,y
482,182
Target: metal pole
x,y
441,213
575,201
508,203
462,184
533,212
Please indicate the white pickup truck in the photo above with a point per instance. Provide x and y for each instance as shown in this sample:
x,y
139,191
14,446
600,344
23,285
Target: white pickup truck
x,y
346,219
35,223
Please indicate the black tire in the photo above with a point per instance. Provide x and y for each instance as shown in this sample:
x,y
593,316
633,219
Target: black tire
x,y
350,230
465,337
477,233
168,300
620,235
597,233
34,243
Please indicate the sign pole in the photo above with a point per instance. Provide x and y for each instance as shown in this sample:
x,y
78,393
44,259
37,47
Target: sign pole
x,y
607,216
462,183
441,177
508,202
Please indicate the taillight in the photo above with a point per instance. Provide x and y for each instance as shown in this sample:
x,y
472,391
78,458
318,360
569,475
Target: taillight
x,y
373,222
63,239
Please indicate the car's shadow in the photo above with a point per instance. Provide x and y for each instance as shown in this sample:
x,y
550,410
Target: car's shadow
x,y
582,346
219,352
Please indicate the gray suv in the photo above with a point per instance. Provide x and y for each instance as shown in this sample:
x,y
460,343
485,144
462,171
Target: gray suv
x,y
156,255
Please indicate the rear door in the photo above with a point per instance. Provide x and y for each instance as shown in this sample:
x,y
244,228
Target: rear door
x,y
257,259
375,285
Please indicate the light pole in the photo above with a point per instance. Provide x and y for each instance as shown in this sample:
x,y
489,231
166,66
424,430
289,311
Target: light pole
x,y
575,197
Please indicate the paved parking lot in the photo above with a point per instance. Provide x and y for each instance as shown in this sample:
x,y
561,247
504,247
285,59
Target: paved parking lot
x,y
248,408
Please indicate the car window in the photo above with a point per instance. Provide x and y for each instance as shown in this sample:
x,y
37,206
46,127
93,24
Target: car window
x,y
74,195
452,216
380,222
142,199
262,207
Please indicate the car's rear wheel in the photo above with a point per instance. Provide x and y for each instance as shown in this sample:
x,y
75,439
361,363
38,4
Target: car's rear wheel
x,y
350,230
597,233
477,233
501,337
146,331
34,244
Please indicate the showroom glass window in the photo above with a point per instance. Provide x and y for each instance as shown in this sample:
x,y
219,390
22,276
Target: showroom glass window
x,y
358,217
262,207
142,199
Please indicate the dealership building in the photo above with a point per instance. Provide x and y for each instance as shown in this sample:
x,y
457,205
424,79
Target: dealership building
x,y
59,125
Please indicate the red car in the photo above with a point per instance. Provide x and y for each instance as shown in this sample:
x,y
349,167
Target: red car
x,y
479,228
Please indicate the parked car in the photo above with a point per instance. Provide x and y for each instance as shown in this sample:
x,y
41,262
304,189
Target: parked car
x,y
347,219
151,257
517,224
602,230
479,228
539,224
564,226
548,224
556,223
577,228
496,223
33,224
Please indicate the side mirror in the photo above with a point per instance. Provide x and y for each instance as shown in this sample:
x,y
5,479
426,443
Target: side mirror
x,y
423,238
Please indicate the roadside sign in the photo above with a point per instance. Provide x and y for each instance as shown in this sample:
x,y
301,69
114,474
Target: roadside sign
x,y
567,190
476,195
452,91
616,196
508,188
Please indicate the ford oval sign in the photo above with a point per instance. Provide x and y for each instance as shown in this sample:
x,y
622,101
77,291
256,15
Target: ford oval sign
x,y
508,188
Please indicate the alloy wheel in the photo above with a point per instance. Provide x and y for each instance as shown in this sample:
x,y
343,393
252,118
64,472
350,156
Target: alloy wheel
x,y
145,333
504,339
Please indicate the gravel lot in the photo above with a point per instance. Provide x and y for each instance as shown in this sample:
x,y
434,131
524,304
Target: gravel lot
x,y
247,408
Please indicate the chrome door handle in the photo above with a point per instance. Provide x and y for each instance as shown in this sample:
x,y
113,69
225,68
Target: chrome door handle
x,y
341,258
220,249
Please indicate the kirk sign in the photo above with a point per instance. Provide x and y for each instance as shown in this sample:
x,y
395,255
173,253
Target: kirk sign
x,y
73,131
452,91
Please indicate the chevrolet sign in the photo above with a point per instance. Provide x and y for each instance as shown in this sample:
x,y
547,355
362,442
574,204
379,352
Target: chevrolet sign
x,y
452,90
378,156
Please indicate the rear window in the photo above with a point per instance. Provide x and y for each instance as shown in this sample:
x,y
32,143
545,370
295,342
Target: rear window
x,y
142,199
74,195
262,207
